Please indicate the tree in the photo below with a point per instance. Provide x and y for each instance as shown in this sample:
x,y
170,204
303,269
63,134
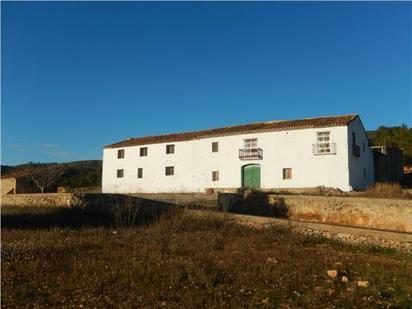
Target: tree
x,y
399,136
46,177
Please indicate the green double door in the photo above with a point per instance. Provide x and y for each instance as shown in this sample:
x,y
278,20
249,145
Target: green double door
x,y
251,176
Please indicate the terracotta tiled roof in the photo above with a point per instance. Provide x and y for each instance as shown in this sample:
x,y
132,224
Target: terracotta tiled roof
x,y
282,125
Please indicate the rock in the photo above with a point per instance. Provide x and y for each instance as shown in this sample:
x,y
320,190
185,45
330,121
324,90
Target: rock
x,y
345,279
363,284
272,260
332,273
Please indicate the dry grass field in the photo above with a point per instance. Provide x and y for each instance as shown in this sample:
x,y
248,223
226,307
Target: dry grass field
x,y
55,258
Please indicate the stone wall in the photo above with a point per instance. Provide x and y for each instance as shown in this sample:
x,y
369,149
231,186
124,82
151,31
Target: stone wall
x,y
40,200
375,213
72,199
93,202
350,235
384,214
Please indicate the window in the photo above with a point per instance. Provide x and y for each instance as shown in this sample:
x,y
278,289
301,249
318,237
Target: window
x,y
143,152
364,173
363,146
120,173
170,170
140,172
356,151
170,149
251,143
323,142
215,147
287,173
120,154
215,176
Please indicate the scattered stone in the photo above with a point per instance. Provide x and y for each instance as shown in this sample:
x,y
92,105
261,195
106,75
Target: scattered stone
x,y
272,260
114,232
332,273
297,294
345,279
363,284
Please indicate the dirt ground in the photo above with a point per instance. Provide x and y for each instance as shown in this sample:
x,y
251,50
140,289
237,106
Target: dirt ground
x,y
182,261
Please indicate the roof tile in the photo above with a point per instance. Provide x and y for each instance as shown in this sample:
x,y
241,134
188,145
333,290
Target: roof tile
x,y
267,126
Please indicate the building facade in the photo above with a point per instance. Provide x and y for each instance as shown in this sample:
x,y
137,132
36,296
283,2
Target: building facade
x,y
325,151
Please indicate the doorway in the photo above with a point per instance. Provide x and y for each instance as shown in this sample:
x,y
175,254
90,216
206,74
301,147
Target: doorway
x,y
251,176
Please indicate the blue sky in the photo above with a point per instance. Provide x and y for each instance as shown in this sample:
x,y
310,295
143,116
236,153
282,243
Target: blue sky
x,y
78,75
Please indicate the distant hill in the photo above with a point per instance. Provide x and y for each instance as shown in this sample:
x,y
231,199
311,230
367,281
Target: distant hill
x,y
399,136
71,174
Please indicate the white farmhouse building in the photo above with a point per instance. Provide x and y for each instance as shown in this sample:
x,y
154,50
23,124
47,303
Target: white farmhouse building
x,y
324,151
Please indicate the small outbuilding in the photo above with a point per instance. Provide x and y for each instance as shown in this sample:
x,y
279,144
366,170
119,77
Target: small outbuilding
x,y
16,184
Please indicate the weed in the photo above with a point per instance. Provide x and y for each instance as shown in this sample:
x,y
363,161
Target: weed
x,y
386,190
184,261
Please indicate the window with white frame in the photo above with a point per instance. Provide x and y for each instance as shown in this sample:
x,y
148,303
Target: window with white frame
x,y
250,143
323,142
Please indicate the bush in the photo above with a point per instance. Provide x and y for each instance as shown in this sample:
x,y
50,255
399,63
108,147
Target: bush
x,y
384,189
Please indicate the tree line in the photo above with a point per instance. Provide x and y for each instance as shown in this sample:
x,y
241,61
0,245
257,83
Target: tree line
x,y
398,136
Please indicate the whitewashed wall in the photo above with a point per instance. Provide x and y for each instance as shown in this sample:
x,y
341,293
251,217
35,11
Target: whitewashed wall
x,y
361,170
194,162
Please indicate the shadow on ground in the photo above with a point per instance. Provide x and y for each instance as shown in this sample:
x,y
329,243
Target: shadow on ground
x,y
255,203
79,217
